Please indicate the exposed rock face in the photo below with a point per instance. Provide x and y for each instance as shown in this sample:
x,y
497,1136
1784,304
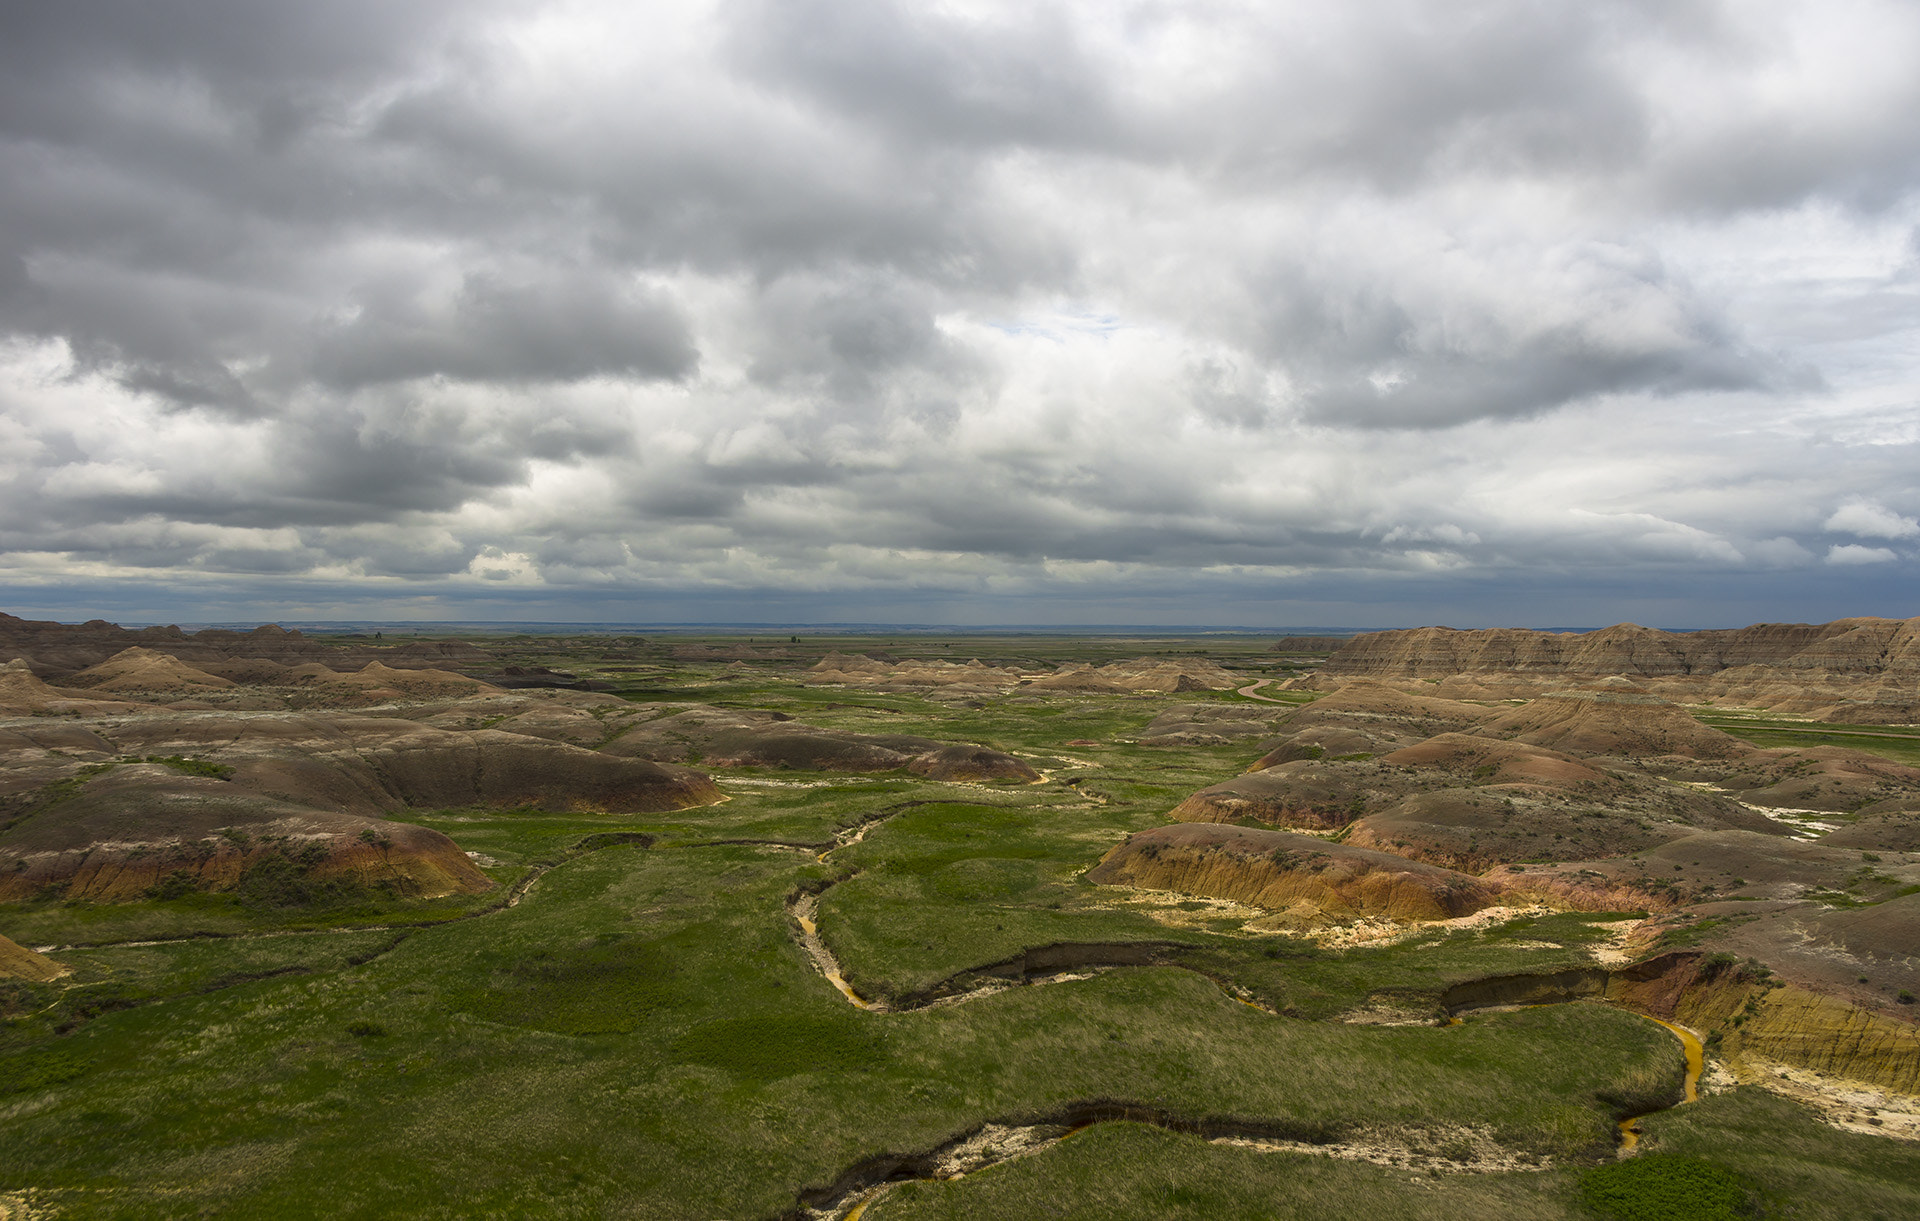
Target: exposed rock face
x,y
1757,1023
19,962
1495,763
377,765
1282,871
55,649
378,683
1479,829
1771,866
1851,670
1855,646
1807,1029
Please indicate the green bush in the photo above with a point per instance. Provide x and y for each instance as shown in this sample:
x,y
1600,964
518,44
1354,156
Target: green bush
x,y
192,767
175,885
1665,1187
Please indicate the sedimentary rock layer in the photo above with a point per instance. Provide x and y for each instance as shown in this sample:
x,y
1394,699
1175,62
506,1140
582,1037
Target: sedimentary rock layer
x,y
1853,647
1280,870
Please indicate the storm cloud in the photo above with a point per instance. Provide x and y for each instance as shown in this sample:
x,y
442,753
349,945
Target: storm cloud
x,y
1095,312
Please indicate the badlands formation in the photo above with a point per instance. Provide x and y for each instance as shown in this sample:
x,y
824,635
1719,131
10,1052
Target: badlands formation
x,y
1558,769
141,774
808,930
1864,671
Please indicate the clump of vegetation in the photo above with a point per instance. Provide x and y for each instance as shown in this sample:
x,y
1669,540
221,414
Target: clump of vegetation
x,y
285,879
192,767
176,885
1664,1187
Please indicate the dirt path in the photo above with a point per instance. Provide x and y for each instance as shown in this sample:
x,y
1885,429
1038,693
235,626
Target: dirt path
x,y
1251,691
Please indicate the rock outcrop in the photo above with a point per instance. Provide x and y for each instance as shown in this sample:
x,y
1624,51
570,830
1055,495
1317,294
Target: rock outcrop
x,y
1846,646
1806,1029
1851,670
1285,872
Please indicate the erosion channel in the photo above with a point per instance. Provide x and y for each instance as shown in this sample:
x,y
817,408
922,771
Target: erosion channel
x,y
995,1143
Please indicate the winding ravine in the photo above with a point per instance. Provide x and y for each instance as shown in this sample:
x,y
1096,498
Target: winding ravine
x,y
997,1142
1696,1063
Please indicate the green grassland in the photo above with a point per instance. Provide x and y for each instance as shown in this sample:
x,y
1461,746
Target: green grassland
x,y
643,1035
1900,743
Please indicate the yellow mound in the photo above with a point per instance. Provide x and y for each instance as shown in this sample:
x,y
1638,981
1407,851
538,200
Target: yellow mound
x,y
138,670
19,962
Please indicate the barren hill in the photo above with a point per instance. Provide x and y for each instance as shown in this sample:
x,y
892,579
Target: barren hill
x,y
1308,878
55,650
1852,647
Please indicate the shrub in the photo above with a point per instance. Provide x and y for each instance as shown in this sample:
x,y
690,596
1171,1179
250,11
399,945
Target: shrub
x,y
175,885
192,767
1666,1187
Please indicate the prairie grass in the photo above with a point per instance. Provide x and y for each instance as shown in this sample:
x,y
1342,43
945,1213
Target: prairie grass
x,y
643,1035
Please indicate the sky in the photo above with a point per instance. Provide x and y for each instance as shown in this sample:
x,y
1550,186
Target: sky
x,y
1120,311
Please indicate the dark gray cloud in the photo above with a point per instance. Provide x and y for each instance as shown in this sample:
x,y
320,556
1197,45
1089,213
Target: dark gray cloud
x,y
1003,300
562,329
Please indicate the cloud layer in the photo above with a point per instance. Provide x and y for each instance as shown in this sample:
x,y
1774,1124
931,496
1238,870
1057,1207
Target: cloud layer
x,y
1088,311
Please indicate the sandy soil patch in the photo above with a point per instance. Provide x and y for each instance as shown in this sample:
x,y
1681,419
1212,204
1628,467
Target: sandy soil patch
x,y
1613,952
1852,1106
1455,1148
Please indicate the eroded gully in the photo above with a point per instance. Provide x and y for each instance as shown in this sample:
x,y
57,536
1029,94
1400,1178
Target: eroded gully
x,y
1434,1148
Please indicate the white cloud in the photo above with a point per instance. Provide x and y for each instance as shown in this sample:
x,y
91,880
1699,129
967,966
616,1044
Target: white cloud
x,y
1869,519
1854,553
582,296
